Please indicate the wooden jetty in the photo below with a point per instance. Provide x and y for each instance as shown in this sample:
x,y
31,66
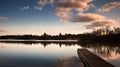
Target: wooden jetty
x,y
89,59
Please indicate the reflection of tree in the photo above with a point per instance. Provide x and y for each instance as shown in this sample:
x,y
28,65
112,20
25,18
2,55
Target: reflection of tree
x,y
105,51
69,62
44,43
118,50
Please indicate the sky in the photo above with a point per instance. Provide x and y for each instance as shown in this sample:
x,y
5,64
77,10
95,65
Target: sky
x,y
18,17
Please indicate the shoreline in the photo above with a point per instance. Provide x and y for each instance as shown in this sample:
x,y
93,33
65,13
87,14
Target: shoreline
x,y
13,40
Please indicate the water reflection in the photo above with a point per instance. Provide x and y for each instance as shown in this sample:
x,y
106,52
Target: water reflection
x,y
55,54
109,52
105,51
69,62
44,43
34,55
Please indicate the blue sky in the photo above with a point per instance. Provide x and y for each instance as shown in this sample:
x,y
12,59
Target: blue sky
x,y
56,16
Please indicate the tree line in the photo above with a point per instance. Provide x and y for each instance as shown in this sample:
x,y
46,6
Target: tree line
x,y
45,36
100,35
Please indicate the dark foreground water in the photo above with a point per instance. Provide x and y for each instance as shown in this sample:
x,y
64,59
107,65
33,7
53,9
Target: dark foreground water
x,y
52,54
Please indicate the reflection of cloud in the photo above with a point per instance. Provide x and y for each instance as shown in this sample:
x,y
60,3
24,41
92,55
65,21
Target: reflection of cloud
x,y
2,47
2,60
109,6
69,62
102,23
3,18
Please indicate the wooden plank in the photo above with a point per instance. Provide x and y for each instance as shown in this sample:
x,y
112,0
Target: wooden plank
x,y
91,60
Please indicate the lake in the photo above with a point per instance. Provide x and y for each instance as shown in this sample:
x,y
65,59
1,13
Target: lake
x,y
53,54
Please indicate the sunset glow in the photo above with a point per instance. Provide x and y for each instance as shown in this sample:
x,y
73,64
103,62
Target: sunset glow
x,y
57,16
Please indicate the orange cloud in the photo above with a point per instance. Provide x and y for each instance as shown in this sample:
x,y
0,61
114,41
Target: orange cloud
x,y
63,13
102,23
73,4
87,17
64,7
109,6
42,2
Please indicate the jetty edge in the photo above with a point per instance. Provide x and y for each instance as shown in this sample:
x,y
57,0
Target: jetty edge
x,y
89,59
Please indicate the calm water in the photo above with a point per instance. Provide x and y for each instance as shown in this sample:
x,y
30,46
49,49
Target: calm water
x,y
52,54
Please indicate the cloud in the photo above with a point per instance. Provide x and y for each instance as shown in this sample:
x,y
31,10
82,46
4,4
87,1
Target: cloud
x,y
38,8
52,2
42,2
63,9
102,23
62,13
2,30
45,2
25,8
87,17
109,6
73,4
3,18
